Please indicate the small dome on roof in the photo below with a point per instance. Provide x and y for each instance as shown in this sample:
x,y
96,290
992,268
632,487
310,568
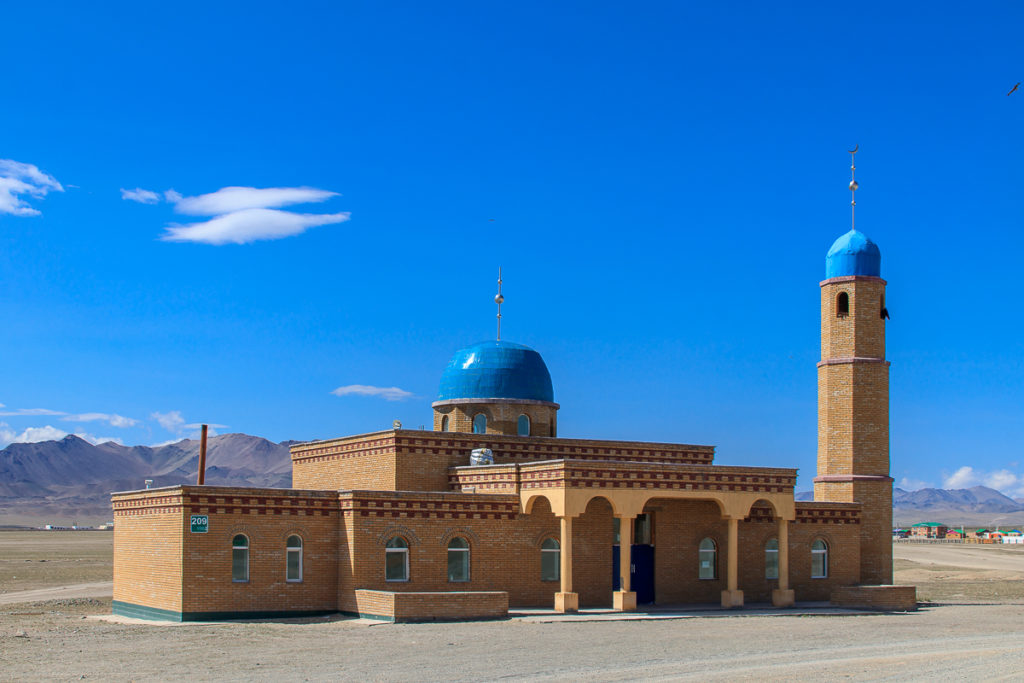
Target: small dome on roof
x,y
853,254
496,369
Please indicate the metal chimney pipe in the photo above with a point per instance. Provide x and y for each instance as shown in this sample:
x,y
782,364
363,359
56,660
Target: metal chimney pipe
x,y
201,479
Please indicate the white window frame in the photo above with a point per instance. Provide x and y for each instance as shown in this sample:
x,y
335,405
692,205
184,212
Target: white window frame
x,y
557,552
288,550
768,552
823,552
235,547
701,552
468,558
405,557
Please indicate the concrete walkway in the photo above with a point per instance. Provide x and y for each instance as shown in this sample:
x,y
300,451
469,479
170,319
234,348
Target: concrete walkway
x,y
655,613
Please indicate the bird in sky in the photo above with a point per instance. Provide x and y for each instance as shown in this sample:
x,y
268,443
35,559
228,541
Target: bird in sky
x,y
1013,89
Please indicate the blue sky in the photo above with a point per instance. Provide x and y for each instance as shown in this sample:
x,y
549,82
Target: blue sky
x,y
659,181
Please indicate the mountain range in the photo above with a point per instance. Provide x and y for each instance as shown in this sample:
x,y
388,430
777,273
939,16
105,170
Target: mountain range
x,y
72,479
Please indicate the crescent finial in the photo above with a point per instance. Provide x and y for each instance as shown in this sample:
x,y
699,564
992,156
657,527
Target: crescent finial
x,y
855,148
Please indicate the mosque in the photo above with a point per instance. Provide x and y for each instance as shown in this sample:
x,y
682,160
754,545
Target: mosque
x,y
492,510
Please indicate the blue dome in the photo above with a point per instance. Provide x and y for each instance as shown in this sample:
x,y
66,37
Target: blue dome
x,y
853,254
497,369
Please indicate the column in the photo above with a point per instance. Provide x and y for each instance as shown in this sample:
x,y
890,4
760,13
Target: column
x,y
732,596
783,595
624,599
566,600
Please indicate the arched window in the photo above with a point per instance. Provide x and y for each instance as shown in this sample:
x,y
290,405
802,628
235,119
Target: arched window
x,y
842,305
550,560
771,559
458,560
396,560
444,423
707,556
293,563
819,560
240,558
480,424
523,425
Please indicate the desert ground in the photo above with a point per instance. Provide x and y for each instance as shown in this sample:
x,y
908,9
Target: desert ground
x,y
53,586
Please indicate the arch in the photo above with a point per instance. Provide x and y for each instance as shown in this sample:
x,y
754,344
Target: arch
x,y
532,501
458,560
444,423
396,559
398,530
842,305
480,423
293,559
763,502
240,558
465,532
819,559
523,425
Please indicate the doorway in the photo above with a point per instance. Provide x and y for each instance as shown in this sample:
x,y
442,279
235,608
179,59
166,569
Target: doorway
x,y
641,573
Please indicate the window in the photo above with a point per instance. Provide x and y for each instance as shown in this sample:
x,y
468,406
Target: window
x,y
550,560
523,425
708,561
842,305
240,558
293,563
396,560
819,560
444,423
771,559
458,560
480,424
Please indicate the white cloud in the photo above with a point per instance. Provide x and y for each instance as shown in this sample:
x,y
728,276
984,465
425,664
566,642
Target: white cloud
x,y
250,225
387,393
36,434
232,199
25,412
112,419
1004,480
240,215
141,196
963,478
908,484
19,179
172,421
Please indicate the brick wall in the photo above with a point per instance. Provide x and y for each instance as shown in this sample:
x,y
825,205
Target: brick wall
x,y
502,417
853,417
148,537
432,606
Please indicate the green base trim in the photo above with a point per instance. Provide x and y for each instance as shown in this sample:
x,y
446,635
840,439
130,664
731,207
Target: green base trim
x,y
127,609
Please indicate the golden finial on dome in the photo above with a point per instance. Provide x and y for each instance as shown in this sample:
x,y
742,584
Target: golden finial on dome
x,y
499,299
853,187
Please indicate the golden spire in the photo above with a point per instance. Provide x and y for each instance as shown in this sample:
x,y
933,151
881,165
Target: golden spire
x,y
853,187
499,299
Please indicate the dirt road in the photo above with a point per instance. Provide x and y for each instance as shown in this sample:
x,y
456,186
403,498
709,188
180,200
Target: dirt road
x,y
100,589
986,557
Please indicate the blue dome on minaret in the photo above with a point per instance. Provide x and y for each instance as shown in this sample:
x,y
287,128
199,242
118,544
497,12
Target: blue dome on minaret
x,y
853,254
496,369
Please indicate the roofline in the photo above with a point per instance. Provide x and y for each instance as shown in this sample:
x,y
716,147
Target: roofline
x,y
516,401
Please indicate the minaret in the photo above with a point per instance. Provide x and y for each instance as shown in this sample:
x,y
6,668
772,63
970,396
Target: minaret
x,y
853,393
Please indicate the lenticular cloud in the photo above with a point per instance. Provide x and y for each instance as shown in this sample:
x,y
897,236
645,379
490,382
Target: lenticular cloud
x,y
242,214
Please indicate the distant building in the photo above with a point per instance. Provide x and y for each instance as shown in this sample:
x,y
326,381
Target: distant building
x,y
928,530
955,534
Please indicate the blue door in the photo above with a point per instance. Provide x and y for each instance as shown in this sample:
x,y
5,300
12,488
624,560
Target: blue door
x,y
641,574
